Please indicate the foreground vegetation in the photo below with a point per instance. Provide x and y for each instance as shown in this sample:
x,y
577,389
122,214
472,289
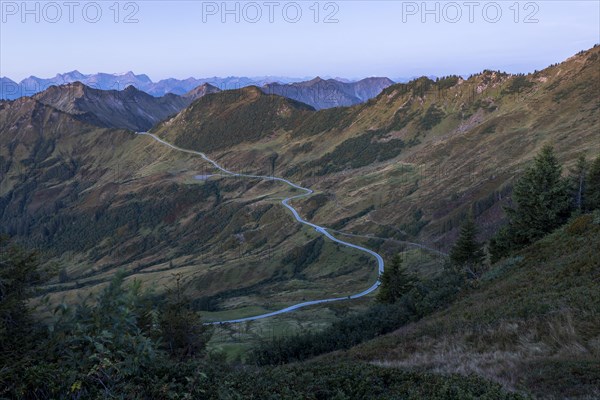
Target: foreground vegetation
x,y
540,304
127,344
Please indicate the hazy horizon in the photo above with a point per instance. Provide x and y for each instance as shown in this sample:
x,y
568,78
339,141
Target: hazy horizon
x,y
348,39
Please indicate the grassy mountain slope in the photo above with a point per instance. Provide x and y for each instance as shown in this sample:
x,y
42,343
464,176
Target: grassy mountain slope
x,y
42,143
93,200
531,323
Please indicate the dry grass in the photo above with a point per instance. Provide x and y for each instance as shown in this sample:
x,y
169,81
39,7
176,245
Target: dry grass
x,y
501,352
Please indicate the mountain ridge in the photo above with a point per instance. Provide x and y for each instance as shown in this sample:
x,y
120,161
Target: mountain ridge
x,y
127,109
327,93
9,89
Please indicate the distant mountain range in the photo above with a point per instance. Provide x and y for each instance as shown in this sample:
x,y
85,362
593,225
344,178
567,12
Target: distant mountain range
x,y
11,90
338,91
328,93
319,93
136,110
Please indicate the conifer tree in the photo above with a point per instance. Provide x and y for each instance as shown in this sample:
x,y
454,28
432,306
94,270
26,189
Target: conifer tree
x,y
542,197
543,201
467,252
501,244
18,276
184,334
395,282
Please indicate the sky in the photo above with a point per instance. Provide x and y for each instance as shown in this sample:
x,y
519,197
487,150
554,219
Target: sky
x,y
351,39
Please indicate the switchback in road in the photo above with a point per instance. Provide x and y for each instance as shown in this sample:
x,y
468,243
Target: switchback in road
x,y
286,203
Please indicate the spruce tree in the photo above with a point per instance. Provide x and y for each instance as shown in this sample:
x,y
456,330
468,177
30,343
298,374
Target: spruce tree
x,y
467,252
502,244
542,197
592,192
18,276
184,334
395,282
543,201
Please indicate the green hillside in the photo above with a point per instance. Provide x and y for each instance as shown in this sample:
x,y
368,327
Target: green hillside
x,y
530,323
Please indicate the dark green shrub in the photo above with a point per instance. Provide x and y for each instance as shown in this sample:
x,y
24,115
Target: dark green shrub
x,y
432,117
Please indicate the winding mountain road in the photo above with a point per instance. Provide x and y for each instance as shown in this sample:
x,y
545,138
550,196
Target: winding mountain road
x,y
286,203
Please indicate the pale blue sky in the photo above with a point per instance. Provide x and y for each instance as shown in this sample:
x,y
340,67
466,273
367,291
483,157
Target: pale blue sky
x,y
371,38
